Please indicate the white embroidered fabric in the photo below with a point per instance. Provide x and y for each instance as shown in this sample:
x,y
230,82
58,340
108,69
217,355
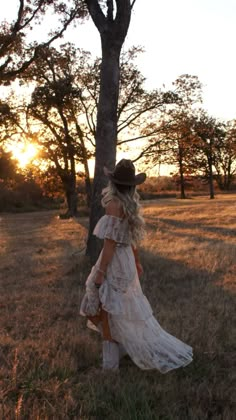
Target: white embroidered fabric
x,y
115,228
90,302
131,320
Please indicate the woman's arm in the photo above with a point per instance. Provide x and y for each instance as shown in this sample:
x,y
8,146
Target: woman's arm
x,y
107,254
112,209
137,261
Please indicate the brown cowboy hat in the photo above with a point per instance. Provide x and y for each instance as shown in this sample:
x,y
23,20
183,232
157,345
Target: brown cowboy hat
x,y
124,173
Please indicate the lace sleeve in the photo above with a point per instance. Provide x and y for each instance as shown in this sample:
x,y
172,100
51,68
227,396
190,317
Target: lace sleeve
x,y
115,228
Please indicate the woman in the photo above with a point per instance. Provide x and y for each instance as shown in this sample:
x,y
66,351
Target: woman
x,y
114,301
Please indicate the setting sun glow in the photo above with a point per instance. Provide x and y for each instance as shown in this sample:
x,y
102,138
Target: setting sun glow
x,y
24,154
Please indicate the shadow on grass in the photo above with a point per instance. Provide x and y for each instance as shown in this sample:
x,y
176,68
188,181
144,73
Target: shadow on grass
x,y
164,225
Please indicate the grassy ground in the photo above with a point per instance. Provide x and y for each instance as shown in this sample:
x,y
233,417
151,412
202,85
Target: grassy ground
x,y
49,361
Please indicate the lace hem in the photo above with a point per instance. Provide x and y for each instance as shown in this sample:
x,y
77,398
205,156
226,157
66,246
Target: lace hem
x,y
149,345
90,302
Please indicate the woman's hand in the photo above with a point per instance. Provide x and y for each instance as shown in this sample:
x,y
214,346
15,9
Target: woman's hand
x,y
137,262
99,279
139,268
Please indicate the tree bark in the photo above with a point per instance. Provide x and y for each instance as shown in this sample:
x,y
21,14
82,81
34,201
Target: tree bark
x,y
71,198
229,175
112,31
106,135
211,183
69,185
181,173
182,186
88,186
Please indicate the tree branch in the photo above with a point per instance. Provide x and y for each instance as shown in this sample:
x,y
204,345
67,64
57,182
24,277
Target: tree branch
x,y
122,20
8,75
96,14
110,10
144,136
132,4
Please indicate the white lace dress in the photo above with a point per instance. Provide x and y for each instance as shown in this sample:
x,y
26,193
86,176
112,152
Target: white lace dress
x,y
130,316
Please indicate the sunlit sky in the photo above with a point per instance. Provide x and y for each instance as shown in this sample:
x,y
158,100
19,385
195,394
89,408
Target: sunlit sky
x,y
179,36
183,36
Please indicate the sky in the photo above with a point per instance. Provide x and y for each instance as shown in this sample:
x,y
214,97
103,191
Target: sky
x,y
179,36
183,36
196,37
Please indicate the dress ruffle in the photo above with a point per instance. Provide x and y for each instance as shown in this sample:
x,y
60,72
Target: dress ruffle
x,y
90,302
115,228
130,306
149,345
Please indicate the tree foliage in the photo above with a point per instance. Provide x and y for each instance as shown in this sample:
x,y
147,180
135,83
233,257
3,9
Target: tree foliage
x,y
225,155
8,166
214,151
17,53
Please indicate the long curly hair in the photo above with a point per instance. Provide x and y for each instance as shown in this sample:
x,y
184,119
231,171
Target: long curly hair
x,y
129,199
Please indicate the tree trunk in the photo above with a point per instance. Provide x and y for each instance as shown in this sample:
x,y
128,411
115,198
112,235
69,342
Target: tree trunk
x,y
88,186
71,198
71,195
181,173
106,136
182,186
113,27
211,184
229,175
88,189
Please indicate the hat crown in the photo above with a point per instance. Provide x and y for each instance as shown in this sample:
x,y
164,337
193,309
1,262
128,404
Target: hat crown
x,y
124,174
124,170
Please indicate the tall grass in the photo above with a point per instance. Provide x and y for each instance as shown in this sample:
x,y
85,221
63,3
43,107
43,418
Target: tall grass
x,y
50,364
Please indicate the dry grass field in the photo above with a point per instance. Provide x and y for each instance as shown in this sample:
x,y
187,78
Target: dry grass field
x,y
50,362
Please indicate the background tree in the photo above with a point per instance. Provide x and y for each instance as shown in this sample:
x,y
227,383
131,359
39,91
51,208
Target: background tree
x,y
16,52
8,166
9,120
179,131
60,103
174,135
225,155
208,133
179,140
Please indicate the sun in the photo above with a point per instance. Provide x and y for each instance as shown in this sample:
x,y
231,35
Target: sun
x,y
24,154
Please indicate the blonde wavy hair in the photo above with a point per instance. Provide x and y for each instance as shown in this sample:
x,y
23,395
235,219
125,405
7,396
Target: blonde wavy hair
x,y
129,199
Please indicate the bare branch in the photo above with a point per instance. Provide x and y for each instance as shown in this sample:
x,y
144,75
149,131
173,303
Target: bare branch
x,y
8,75
110,10
17,25
96,14
149,148
133,116
132,4
143,136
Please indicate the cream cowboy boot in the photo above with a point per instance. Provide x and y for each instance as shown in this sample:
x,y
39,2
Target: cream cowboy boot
x,y
110,353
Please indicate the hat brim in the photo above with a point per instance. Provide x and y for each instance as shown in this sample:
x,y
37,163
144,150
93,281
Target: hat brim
x,y
138,179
